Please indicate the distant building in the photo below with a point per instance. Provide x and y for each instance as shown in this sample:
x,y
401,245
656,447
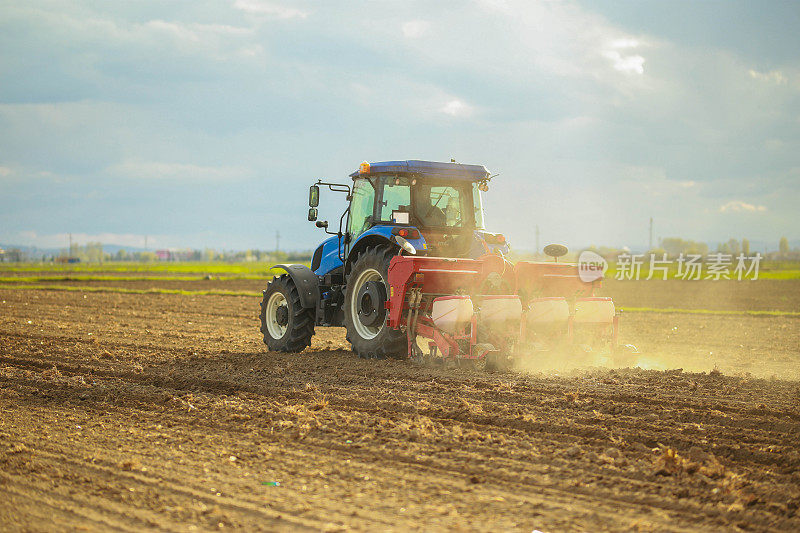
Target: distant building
x,y
14,255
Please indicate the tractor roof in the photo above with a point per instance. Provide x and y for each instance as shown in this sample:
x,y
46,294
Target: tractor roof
x,y
427,169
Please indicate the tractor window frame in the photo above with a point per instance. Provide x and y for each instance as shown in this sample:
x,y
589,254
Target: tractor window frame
x,y
466,191
479,213
369,220
379,207
431,204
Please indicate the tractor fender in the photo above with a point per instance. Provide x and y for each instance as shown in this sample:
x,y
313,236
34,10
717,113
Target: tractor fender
x,y
306,282
375,239
377,236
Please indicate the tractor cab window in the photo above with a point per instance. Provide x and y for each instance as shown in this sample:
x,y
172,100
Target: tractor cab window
x,y
477,206
396,204
361,207
441,205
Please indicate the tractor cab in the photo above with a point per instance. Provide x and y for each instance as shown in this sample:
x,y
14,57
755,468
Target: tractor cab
x,y
435,207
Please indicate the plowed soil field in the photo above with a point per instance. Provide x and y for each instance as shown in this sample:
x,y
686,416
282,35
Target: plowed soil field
x,y
165,411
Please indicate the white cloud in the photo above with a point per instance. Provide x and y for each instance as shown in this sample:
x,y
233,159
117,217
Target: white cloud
x,y
157,170
563,39
216,41
415,28
639,176
193,32
633,64
627,63
625,43
114,41
738,206
26,173
270,9
403,98
180,31
456,108
251,51
774,76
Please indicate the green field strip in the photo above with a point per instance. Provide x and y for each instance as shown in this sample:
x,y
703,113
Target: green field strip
x,y
707,311
121,290
199,268
46,279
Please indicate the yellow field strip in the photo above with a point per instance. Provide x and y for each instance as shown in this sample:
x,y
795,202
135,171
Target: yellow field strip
x,y
707,311
121,290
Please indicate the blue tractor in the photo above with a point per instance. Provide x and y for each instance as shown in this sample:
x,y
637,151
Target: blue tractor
x,y
419,208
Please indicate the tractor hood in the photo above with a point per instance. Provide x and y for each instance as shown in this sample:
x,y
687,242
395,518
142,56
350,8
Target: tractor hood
x,y
427,169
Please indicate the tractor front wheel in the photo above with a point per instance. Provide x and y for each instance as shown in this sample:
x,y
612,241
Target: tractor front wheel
x,y
286,325
364,306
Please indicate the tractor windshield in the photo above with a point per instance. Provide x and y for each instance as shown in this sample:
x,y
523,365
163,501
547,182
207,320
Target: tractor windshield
x,y
361,207
429,203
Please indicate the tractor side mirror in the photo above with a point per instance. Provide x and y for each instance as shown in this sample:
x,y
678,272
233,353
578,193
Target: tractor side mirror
x,y
312,214
313,196
322,224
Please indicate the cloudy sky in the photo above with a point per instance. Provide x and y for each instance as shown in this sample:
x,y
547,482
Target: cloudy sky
x,y
202,123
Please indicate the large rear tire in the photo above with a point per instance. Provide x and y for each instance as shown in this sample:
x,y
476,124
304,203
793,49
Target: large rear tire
x,y
286,325
376,339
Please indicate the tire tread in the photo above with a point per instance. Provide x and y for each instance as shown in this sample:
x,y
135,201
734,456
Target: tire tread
x,y
388,343
301,322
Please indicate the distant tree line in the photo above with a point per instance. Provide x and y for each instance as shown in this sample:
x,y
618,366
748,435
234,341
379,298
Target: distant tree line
x,y
675,246
92,252
210,254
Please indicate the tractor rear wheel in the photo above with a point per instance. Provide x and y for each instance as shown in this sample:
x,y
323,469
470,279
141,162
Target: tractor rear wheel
x,y
364,306
286,325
